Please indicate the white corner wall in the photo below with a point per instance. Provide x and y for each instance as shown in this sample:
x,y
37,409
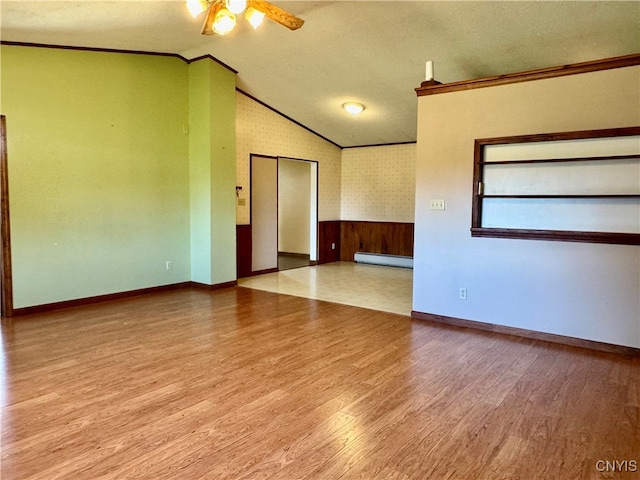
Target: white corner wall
x,y
581,290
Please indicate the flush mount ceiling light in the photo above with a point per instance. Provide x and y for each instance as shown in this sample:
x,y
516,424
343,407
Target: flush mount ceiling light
x,y
221,14
353,108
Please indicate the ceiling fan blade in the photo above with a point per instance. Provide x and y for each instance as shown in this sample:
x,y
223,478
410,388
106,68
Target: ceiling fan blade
x,y
212,11
277,14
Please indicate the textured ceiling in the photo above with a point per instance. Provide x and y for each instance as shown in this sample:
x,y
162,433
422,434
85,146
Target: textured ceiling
x,y
373,52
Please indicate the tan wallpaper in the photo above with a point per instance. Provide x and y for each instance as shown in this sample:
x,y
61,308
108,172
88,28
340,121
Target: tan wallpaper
x,y
259,130
378,183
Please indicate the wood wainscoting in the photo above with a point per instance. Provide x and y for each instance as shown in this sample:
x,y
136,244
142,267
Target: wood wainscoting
x,y
329,241
351,236
243,250
390,238
339,240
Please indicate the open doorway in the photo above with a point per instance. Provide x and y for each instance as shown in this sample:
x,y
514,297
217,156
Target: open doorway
x,y
284,213
297,213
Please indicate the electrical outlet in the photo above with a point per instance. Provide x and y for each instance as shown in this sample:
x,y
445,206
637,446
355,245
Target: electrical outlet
x,y
333,246
436,204
169,265
463,294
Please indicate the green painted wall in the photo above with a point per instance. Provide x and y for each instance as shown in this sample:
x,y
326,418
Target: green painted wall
x,y
212,104
200,171
98,171
223,174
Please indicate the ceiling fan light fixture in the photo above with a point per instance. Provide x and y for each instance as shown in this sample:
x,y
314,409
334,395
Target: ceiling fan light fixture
x,y
254,17
196,7
221,18
353,108
237,6
225,22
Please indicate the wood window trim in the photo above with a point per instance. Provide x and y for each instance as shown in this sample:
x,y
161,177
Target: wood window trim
x,y
477,230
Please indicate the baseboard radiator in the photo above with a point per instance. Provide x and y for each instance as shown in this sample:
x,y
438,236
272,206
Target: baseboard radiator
x,y
382,259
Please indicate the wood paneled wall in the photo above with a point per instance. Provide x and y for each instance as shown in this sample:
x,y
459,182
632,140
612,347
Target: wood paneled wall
x,y
391,238
349,237
328,237
345,236
243,250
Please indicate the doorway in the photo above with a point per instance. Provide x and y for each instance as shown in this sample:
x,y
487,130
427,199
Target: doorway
x,y
297,214
284,213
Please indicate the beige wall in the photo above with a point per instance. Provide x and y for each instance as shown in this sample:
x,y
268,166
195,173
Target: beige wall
x,y
581,290
260,130
378,183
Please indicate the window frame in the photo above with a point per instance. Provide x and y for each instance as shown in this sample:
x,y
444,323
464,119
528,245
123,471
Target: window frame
x,y
477,230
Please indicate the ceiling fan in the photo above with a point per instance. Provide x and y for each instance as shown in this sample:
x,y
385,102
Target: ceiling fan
x,y
221,14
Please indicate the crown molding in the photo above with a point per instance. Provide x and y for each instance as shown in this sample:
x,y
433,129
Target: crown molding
x,y
530,75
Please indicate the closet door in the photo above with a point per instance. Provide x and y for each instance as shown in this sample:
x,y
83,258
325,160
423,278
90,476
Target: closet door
x,y
264,213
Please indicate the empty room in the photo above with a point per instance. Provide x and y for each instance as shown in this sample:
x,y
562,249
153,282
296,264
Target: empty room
x,y
319,240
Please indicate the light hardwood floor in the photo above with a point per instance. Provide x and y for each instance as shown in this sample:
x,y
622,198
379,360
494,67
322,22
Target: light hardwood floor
x,y
248,384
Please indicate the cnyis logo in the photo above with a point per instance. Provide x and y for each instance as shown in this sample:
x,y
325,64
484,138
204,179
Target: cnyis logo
x,y
617,465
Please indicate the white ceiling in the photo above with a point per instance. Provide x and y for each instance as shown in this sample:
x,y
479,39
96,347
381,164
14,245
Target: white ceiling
x,y
373,52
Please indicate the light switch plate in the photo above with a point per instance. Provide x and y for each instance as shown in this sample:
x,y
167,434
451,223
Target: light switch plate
x,y
437,204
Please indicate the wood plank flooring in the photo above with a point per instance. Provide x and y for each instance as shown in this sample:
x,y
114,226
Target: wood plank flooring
x,y
248,384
